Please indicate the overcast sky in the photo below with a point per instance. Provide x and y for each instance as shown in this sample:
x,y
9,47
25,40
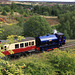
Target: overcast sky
x,y
47,0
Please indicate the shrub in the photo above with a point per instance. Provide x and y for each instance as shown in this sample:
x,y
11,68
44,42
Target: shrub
x,y
12,13
21,21
50,63
46,13
63,62
4,13
25,15
11,30
7,8
1,8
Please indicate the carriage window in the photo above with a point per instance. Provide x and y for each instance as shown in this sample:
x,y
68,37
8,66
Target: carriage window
x,y
16,46
1,47
21,45
26,44
5,48
33,43
30,43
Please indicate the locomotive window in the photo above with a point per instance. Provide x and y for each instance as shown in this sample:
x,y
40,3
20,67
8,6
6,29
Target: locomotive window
x,y
16,46
5,47
33,43
21,45
26,44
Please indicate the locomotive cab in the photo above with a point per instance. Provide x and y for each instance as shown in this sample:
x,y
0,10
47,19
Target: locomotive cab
x,y
61,38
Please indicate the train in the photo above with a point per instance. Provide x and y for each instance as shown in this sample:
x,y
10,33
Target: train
x,y
29,44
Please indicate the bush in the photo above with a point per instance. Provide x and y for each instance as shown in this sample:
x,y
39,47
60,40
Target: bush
x,y
12,13
11,30
63,62
25,15
46,13
50,63
4,13
7,8
21,21
1,9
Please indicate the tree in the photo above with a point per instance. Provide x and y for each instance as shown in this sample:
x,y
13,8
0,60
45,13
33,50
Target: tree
x,y
13,6
7,8
67,23
1,9
25,14
46,13
21,11
11,30
65,33
36,25
37,9
1,29
21,21
4,13
11,38
12,13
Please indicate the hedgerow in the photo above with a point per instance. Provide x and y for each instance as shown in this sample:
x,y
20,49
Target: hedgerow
x,y
48,63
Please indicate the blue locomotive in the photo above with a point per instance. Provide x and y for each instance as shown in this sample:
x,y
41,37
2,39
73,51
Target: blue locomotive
x,y
49,42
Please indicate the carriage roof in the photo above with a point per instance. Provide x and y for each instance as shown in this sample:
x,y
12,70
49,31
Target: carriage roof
x,y
26,39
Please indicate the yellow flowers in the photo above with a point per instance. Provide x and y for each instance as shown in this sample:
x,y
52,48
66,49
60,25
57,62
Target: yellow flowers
x,y
1,55
10,51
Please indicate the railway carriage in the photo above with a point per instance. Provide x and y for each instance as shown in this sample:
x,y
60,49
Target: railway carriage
x,y
27,44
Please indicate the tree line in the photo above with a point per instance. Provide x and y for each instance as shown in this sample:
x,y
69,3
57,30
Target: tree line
x,y
53,10
67,24
37,25
22,9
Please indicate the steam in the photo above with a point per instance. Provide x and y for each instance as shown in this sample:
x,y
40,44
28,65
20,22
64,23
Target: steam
x,y
55,31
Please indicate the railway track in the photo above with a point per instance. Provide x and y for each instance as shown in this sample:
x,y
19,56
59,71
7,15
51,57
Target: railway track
x,y
67,46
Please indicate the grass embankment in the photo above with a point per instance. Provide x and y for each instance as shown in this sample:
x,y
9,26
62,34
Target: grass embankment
x,y
9,20
70,41
55,62
70,49
52,20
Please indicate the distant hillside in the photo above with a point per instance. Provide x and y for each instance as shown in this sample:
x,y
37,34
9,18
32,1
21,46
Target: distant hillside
x,y
4,0
54,2
8,19
52,20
